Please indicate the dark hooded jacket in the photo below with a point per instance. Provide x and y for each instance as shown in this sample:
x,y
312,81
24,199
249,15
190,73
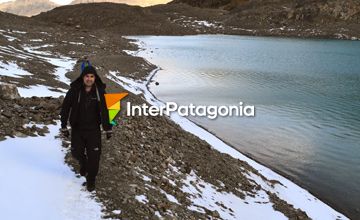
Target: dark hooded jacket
x,y
71,106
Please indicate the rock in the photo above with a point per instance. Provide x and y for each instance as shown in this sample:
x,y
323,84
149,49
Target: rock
x,y
7,113
20,134
52,107
36,118
46,129
291,14
8,91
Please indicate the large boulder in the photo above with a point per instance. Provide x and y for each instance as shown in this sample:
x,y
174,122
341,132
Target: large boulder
x,y
8,91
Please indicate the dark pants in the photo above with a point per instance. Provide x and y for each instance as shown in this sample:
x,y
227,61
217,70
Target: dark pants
x,y
86,148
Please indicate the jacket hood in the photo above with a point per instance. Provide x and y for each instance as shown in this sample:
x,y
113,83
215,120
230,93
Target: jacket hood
x,y
77,83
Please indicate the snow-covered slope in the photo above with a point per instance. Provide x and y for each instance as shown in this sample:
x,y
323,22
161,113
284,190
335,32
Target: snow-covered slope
x,y
25,53
37,184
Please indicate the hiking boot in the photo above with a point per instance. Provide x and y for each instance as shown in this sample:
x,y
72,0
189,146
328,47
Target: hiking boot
x,y
90,186
83,171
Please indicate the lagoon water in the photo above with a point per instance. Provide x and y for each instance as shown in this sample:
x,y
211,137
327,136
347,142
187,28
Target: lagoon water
x,y
306,94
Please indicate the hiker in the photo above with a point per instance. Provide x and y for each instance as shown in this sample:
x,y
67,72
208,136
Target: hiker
x,y
85,108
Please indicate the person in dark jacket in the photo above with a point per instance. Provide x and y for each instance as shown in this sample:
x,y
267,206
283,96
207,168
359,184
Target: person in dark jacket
x,y
85,108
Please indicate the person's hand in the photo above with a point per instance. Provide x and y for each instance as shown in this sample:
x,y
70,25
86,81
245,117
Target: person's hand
x,y
65,132
108,134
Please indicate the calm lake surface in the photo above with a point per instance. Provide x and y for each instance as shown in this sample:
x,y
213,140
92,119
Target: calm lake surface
x,y
306,94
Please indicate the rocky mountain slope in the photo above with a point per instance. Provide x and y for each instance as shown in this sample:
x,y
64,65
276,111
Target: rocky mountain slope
x,y
286,11
124,19
317,19
309,18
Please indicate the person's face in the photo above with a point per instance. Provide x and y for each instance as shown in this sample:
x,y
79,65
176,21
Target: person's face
x,y
89,79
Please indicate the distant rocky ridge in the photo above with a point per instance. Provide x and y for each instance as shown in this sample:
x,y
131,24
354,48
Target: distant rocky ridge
x,y
27,7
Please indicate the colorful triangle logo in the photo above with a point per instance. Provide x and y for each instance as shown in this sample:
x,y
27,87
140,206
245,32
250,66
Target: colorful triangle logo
x,y
113,105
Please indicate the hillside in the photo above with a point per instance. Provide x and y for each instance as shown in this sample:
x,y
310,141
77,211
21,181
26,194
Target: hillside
x,y
308,17
316,19
286,11
131,20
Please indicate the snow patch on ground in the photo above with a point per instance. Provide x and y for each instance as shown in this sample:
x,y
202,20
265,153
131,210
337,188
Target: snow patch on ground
x,y
170,197
37,184
146,178
63,65
36,40
157,213
13,70
39,91
76,43
205,23
19,32
14,52
7,36
189,21
42,46
117,212
228,205
133,87
142,198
